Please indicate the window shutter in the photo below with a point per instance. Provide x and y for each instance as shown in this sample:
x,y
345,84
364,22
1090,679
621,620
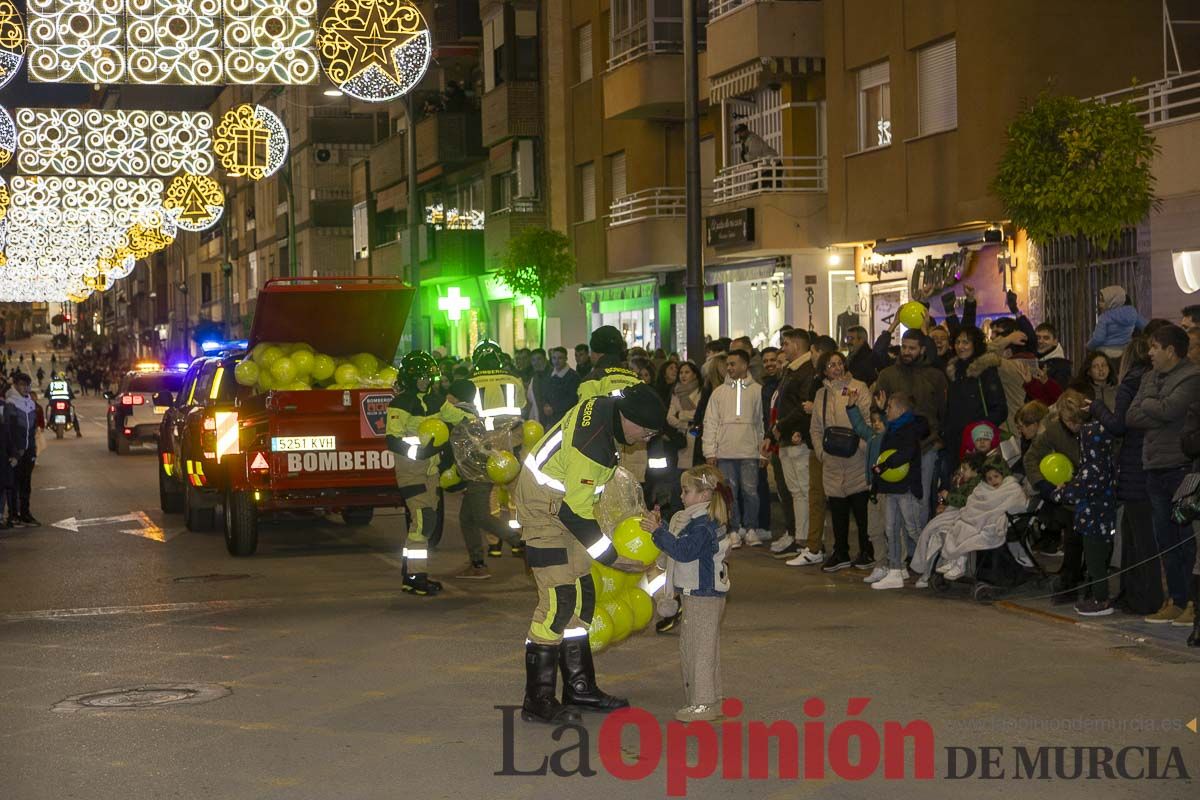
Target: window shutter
x,y
585,53
874,75
526,177
587,192
937,87
617,178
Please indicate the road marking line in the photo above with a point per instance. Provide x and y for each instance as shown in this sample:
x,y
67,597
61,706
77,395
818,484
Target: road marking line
x,y
207,605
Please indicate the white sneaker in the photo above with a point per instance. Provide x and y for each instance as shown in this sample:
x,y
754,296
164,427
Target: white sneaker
x,y
782,543
922,582
807,558
758,537
893,580
955,572
876,575
735,540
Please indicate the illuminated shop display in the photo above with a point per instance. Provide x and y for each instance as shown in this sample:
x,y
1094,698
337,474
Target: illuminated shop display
x,y
12,41
74,141
374,50
187,42
251,142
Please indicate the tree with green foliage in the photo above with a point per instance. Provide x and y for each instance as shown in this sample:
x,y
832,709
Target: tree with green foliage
x,y
1077,168
538,263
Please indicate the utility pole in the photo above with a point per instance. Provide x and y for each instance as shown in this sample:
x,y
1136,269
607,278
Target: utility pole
x,y
414,227
691,147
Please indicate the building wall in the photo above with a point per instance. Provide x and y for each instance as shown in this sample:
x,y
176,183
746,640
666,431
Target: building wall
x,y
1007,53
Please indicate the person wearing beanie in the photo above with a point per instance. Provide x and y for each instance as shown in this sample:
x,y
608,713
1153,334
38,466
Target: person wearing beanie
x,y
556,494
610,372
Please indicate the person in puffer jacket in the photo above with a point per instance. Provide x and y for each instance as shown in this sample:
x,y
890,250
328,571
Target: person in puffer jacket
x,y
696,544
1117,324
902,496
733,433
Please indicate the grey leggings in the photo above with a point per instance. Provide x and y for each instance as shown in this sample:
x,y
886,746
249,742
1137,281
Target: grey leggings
x,y
700,649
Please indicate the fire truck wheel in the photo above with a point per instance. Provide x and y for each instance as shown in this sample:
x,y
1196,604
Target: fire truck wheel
x,y
358,517
241,524
169,500
196,519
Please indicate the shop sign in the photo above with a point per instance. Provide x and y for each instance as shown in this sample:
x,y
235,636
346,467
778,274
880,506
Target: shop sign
x,y
877,270
934,274
731,229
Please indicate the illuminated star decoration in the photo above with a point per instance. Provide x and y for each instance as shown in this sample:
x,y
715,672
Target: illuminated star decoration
x,y
12,41
196,201
374,50
251,142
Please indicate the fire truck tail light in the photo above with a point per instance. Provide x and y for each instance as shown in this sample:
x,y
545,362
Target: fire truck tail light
x,y
132,400
210,424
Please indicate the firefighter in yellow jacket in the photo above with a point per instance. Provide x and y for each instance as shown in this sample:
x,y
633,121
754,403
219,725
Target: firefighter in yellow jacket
x,y
416,463
555,495
498,392
611,372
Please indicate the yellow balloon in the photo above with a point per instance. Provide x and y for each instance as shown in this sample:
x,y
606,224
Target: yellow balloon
x,y
609,582
633,542
895,474
642,606
322,369
246,373
269,355
346,373
303,360
1057,469
433,430
600,632
912,314
449,478
503,467
621,615
531,433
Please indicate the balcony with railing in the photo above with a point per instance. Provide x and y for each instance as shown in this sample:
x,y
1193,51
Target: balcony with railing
x,y
786,197
504,223
773,175
646,230
744,32
644,79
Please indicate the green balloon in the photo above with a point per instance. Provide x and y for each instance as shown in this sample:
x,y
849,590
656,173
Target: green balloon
x,y
642,606
1057,469
256,353
265,383
270,355
387,375
303,360
600,632
246,373
346,373
282,370
322,368
621,615
367,364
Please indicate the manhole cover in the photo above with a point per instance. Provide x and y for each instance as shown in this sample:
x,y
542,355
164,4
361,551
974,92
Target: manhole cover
x,y
215,577
153,696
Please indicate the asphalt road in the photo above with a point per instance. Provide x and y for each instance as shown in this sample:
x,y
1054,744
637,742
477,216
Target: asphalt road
x,y
327,682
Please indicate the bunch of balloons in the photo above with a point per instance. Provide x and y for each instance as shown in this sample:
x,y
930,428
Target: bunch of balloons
x,y
622,607
298,367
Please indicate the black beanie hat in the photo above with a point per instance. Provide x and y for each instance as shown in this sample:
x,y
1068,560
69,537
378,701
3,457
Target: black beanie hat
x,y
641,405
607,340
463,390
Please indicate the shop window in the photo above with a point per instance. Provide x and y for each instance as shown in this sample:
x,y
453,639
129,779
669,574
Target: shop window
x,y
874,106
583,52
586,202
937,87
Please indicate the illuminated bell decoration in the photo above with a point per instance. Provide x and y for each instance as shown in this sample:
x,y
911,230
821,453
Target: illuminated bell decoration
x,y
12,41
196,201
251,142
374,50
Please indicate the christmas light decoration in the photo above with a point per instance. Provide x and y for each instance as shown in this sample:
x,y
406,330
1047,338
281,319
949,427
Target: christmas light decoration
x,y
453,219
196,201
12,41
8,137
374,50
251,142
187,42
72,141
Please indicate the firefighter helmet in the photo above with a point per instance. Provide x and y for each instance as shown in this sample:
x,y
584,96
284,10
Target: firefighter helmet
x,y
414,366
482,352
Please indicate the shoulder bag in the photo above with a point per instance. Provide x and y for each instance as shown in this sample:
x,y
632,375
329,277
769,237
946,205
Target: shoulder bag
x,y
837,440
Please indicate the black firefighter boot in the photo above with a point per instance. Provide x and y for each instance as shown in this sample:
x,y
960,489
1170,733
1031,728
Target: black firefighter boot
x,y
579,679
541,668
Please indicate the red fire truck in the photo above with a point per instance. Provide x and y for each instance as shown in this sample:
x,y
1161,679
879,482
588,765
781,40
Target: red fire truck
x,y
223,445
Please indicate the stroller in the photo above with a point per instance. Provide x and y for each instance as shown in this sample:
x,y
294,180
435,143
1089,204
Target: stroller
x,y
992,573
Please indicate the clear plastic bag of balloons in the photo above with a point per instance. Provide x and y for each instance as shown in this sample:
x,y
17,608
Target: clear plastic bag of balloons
x,y
621,499
476,440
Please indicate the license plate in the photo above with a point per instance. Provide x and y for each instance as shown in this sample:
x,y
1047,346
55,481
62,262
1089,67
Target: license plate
x,y
60,420
293,444
160,409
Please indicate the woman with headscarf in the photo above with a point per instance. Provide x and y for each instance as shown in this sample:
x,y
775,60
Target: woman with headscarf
x,y
1117,324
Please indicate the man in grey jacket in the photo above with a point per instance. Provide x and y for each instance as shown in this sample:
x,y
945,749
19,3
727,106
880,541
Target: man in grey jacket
x,y
20,416
1159,409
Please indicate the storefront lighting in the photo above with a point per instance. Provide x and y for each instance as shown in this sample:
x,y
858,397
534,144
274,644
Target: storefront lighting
x,y
454,303
834,259
529,306
1187,270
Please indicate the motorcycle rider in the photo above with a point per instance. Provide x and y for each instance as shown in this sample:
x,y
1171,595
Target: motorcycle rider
x,y
556,495
416,465
60,389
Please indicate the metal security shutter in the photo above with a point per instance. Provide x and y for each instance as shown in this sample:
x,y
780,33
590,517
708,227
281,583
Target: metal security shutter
x,y
617,177
937,87
587,192
585,53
